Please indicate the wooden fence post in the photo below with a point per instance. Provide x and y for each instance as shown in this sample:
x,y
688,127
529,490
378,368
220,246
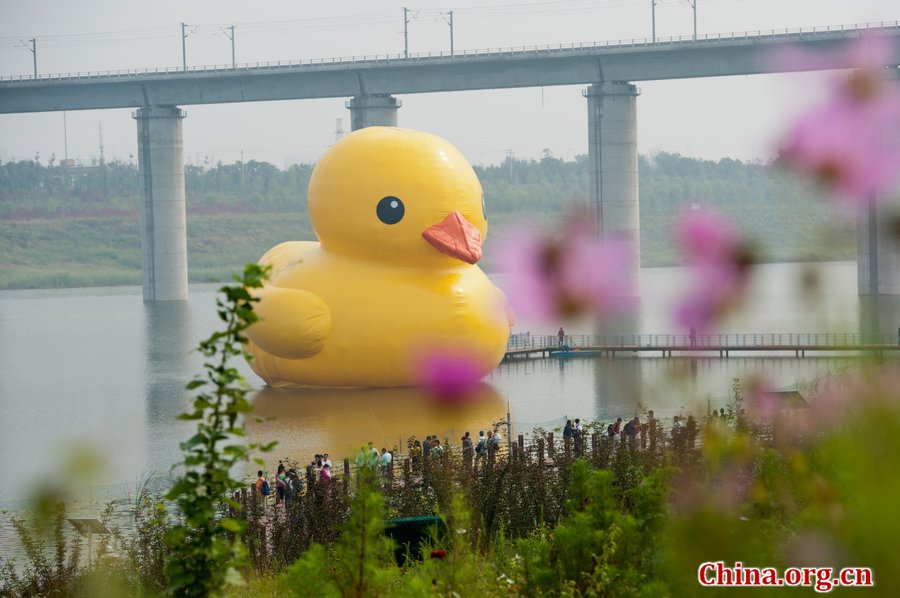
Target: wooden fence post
x,y
310,478
346,476
595,444
550,447
540,449
567,447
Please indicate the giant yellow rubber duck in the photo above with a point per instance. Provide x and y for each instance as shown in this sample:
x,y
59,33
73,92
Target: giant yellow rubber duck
x,y
400,219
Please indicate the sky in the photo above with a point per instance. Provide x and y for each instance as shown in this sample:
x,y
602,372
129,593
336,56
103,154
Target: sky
x,y
736,117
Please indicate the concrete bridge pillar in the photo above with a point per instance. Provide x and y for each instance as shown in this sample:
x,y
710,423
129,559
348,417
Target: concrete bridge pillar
x,y
878,255
613,159
163,220
878,270
878,248
373,110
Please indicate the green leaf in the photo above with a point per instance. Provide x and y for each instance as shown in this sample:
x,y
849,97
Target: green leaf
x,y
232,525
194,384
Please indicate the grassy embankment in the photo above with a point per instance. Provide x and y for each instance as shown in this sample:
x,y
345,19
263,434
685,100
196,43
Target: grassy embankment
x,y
79,227
77,252
73,252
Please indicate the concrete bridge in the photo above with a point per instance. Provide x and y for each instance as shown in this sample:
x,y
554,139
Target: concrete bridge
x,y
371,83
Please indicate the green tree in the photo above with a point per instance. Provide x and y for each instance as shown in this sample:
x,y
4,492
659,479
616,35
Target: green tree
x,y
205,548
361,563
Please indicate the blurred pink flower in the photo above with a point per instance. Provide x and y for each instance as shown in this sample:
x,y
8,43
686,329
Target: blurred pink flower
x,y
812,548
449,376
571,274
868,52
719,265
763,405
847,146
704,235
850,144
838,398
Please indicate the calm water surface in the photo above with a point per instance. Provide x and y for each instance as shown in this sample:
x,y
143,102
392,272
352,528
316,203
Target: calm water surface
x,y
97,367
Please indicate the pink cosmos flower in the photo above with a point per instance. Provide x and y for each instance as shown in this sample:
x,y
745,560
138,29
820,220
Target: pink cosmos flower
x,y
449,376
850,144
719,267
705,236
869,52
850,148
570,274
838,398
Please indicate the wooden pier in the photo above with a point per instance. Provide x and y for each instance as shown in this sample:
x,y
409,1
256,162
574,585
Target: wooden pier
x,y
705,345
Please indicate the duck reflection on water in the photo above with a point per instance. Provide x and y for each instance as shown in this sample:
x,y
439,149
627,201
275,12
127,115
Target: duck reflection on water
x,y
339,421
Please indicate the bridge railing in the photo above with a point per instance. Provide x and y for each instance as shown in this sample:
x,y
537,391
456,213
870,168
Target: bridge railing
x,y
787,340
574,47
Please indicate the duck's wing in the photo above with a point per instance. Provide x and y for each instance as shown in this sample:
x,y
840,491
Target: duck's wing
x,y
286,256
294,324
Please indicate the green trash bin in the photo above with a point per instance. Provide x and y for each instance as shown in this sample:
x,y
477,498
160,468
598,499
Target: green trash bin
x,y
409,533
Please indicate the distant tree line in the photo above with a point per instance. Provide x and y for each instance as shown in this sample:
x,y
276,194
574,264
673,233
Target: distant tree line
x,y
29,188
785,219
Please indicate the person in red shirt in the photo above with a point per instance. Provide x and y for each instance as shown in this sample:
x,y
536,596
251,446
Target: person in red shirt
x,y
325,475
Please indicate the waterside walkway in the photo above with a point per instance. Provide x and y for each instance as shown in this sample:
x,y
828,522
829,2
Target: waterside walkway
x,y
525,345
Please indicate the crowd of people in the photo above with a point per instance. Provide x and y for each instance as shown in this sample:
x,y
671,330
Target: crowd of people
x,y
370,457
288,484
475,452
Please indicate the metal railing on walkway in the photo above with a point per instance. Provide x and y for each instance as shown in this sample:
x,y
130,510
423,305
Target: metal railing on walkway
x,y
799,342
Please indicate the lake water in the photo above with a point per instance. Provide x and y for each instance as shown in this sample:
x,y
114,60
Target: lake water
x,y
97,367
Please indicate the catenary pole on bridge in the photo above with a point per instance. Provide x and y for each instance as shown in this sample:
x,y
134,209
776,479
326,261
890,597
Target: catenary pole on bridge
x,y
34,52
653,20
693,4
449,20
405,32
231,37
451,33
183,49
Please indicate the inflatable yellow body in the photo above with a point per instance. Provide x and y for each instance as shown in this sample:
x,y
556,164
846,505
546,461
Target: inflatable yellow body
x,y
400,217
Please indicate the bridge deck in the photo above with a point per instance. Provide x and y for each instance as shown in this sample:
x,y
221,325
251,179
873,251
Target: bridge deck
x,y
570,64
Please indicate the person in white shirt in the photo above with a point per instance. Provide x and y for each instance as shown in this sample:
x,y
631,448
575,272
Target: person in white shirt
x,y
385,461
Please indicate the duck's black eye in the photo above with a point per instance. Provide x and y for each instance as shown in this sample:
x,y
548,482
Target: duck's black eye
x,y
390,210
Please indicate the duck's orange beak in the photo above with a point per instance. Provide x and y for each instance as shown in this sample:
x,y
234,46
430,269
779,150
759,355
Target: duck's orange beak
x,y
457,237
